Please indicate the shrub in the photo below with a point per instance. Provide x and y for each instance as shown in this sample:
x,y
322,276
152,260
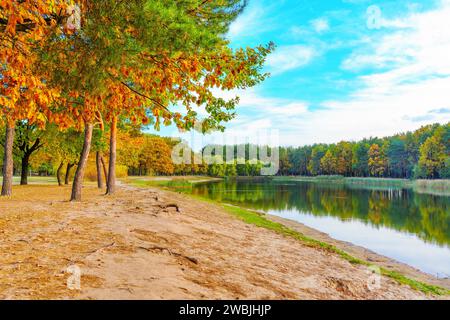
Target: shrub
x,y
91,171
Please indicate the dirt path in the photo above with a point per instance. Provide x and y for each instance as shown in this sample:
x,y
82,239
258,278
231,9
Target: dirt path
x,y
135,245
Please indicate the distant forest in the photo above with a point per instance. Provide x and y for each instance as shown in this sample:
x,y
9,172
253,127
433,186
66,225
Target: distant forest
x,y
422,154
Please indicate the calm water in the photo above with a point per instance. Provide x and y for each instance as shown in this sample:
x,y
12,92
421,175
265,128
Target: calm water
x,y
398,223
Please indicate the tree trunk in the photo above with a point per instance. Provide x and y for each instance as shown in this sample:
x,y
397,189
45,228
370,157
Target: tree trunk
x,y
111,185
105,172
68,169
24,172
79,175
58,173
8,162
98,162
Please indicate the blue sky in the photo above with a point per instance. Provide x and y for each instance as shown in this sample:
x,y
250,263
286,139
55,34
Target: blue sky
x,y
342,70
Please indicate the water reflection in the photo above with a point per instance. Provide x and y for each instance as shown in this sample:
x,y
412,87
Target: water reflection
x,y
399,223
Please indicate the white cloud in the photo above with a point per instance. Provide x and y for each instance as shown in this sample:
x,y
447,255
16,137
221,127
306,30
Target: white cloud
x,y
320,25
246,23
255,20
411,88
290,57
251,101
404,97
414,91
292,109
379,111
296,32
418,43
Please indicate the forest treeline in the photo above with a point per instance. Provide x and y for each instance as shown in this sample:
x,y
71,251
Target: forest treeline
x,y
423,154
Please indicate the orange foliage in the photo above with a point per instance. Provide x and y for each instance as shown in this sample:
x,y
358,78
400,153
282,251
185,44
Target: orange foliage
x,y
23,94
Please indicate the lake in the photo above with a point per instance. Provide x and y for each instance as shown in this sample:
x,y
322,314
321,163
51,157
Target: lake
x,y
398,223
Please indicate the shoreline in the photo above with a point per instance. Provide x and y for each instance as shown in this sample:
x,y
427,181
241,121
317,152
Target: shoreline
x,y
362,252
400,271
151,243
354,250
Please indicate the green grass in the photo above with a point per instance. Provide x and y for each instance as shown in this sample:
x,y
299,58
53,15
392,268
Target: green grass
x,y
334,179
34,180
161,183
375,182
256,219
175,183
439,187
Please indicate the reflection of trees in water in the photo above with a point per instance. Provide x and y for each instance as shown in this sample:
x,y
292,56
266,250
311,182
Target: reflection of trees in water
x,y
424,215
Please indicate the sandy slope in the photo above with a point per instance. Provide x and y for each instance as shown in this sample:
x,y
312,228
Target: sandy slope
x,y
131,246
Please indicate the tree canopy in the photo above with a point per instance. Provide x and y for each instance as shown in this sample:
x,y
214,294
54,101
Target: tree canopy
x,y
84,63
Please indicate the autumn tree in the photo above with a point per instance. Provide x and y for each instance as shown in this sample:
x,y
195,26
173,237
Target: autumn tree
x,y
24,96
130,149
377,161
137,59
318,152
285,164
432,157
328,163
344,158
29,139
62,148
158,157
231,169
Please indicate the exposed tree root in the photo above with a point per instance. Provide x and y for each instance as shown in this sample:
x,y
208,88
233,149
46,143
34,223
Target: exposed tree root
x,y
99,249
167,206
162,249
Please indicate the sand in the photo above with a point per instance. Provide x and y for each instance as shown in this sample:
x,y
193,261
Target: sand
x,y
136,245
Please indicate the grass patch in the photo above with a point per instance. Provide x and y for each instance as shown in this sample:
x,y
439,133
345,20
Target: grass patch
x,y
438,187
417,285
318,179
35,180
380,182
162,183
174,183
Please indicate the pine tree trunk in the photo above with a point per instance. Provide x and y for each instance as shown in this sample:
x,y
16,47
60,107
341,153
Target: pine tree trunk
x,y
111,185
98,162
79,175
58,173
8,162
105,171
24,172
68,169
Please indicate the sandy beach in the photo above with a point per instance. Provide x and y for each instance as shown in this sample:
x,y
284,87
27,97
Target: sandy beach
x,y
156,244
